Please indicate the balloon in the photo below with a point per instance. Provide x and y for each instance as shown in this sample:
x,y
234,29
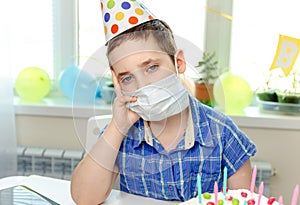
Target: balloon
x,y
233,93
78,85
67,79
32,84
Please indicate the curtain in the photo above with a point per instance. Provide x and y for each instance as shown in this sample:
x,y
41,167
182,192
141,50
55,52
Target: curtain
x,y
8,147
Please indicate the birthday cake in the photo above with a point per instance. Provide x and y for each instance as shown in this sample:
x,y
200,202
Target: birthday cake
x,y
232,197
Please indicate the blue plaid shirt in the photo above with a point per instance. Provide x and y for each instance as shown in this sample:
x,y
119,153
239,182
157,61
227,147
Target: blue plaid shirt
x,y
147,169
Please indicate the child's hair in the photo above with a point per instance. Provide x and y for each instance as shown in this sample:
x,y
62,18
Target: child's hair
x,y
162,33
159,30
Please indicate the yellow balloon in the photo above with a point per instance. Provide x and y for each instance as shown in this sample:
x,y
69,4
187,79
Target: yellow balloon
x,y
232,93
32,84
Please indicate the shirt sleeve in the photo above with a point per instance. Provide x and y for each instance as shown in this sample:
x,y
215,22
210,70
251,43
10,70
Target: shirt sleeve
x,y
237,149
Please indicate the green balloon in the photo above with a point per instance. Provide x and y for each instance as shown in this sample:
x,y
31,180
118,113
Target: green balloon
x,y
232,93
32,84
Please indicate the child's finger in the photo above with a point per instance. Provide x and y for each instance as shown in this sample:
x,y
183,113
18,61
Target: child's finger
x,y
116,84
125,99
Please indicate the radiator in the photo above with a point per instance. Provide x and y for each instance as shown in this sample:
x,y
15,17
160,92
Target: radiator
x,y
60,163
57,163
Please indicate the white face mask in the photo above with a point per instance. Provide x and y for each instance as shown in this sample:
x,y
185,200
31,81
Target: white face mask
x,y
159,100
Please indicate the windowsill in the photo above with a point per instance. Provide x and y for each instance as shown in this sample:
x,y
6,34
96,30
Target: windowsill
x,y
253,117
63,107
60,107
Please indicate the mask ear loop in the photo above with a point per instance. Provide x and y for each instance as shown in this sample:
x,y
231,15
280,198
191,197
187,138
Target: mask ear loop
x,y
176,65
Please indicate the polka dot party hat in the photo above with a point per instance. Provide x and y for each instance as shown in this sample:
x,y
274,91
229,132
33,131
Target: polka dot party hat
x,y
121,15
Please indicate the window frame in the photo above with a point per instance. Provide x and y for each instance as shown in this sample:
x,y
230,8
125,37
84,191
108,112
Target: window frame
x,y
65,35
218,31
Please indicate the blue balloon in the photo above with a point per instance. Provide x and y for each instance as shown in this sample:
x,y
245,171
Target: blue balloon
x,y
67,79
78,85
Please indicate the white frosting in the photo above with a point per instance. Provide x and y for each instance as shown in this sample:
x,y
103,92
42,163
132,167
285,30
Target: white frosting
x,y
232,194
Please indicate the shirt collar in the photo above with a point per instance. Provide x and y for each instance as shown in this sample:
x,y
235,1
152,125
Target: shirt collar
x,y
148,134
189,138
198,129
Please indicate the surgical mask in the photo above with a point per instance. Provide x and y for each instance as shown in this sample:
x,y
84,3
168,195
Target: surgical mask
x,y
159,100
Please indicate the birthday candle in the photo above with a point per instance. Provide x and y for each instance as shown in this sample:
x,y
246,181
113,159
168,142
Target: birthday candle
x,y
199,189
280,200
295,195
260,192
224,181
244,195
253,179
216,193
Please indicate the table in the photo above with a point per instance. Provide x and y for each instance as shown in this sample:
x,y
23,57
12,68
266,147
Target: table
x,y
21,195
117,197
42,190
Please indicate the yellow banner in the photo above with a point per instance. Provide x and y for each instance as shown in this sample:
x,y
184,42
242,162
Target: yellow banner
x,y
286,54
229,17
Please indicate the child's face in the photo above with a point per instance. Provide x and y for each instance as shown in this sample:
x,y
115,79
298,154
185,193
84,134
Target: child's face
x,y
138,63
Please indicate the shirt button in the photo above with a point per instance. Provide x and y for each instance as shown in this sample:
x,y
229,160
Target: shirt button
x,y
171,188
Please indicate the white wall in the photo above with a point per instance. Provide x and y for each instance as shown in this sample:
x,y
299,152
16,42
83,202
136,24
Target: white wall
x,y
281,149
47,131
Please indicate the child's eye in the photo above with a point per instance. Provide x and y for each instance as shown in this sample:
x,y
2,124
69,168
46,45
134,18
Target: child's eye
x,y
126,79
152,68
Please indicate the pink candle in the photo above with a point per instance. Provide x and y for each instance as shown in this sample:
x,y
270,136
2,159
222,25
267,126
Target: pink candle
x,y
260,192
280,200
295,195
253,179
216,193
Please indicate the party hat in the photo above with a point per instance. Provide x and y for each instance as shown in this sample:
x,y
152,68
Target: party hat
x,y
121,15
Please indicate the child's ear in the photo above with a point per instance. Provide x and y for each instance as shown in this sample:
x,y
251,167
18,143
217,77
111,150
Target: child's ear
x,y
181,64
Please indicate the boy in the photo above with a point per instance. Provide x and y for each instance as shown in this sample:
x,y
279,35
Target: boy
x,y
160,137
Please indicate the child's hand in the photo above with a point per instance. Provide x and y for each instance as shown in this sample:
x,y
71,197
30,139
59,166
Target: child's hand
x,y
122,116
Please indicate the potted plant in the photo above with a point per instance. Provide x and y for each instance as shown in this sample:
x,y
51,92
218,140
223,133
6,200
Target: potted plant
x,y
268,91
291,94
208,71
280,88
280,94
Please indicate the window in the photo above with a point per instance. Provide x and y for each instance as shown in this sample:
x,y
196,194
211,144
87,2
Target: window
x,y
41,34
53,34
255,33
91,38
30,35
91,32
